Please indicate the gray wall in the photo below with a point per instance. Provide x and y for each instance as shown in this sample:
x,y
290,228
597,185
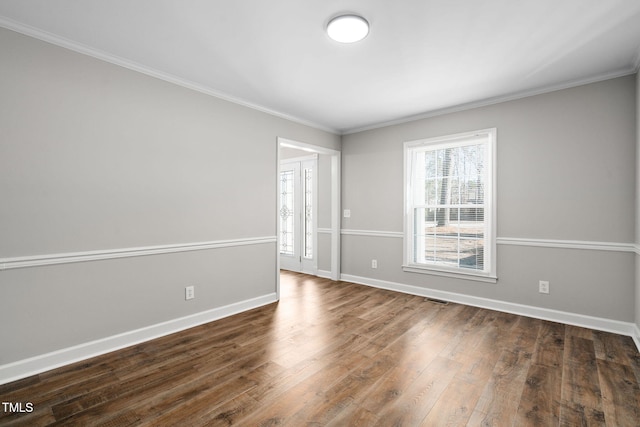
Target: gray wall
x,y
566,168
96,157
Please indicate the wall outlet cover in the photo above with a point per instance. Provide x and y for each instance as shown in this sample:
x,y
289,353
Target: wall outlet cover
x,y
543,287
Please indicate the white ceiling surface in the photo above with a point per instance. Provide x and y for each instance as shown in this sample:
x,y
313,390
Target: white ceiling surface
x,y
422,57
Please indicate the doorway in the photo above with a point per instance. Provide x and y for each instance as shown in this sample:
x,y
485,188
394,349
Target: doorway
x,y
298,214
327,247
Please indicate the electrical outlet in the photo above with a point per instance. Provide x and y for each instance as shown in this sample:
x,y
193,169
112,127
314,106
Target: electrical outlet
x,y
543,287
347,213
374,263
189,292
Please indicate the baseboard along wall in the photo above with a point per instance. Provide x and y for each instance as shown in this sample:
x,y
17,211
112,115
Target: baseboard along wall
x,y
597,323
45,362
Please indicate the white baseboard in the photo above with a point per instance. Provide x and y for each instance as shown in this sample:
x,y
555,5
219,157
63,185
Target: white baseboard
x,y
636,335
597,323
324,274
45,362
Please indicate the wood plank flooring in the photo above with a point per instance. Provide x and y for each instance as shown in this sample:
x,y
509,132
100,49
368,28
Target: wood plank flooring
x,y
340,354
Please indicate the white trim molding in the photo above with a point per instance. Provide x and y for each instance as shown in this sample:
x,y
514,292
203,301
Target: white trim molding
x,y
501,98
70,257
122,62
520,241
636,335
35,365
72,45
372,233
449,273
568,244
324,274
597,323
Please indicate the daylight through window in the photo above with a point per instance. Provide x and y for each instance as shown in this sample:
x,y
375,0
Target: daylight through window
x,y
450,204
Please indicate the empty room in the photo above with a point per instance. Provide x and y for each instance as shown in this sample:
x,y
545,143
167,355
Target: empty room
x,y
337,212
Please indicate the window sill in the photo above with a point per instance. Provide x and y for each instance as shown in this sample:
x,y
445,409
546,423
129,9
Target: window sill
x,y
478,277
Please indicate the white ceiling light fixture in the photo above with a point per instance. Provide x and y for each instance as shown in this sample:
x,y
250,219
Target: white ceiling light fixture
x,y
348,28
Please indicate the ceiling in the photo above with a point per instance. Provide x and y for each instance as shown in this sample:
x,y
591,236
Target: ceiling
x,y
421,57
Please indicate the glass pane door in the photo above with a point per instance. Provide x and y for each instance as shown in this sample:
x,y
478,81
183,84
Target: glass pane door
x,y
297,214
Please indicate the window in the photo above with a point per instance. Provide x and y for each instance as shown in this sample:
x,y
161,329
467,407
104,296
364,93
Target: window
x,y
450,205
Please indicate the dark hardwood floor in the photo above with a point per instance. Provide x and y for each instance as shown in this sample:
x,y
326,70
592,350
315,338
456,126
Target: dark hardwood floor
x,y
340,354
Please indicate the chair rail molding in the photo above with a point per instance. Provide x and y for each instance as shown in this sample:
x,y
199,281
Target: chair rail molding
x,y
98,255
521,241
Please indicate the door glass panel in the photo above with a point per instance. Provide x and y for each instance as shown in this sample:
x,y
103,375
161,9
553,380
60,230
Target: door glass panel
x,y
286,212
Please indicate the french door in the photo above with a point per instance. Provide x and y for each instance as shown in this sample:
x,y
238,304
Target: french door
x,y
297,213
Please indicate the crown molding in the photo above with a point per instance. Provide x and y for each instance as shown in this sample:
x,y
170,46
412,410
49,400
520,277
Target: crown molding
x,y
500,99
132,65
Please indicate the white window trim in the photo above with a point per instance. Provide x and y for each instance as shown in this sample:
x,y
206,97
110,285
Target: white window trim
x,y
491,223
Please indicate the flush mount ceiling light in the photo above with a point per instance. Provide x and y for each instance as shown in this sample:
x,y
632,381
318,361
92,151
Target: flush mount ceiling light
x,y
348,28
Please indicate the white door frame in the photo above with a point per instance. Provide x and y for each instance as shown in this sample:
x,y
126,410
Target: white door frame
x,y
335,203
